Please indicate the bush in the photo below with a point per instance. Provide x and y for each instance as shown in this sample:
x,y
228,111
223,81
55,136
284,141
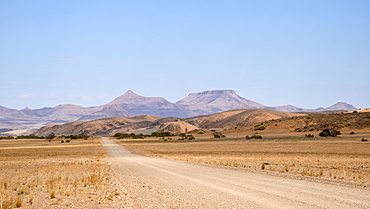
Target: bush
x,y
200,132
81,136
260,128
28,137
162,134
125,135
352,132
309,135
6,137
364,140
328,132
255,136
218,135
51,136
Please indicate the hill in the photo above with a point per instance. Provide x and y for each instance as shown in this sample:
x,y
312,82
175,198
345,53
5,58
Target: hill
x,y
234,118
315,122
147,124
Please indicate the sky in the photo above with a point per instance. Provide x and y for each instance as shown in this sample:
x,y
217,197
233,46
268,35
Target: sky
x,y
308,54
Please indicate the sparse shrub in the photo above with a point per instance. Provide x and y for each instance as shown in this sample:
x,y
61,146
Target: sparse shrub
x,y
309,135
352,132
134,136
200,132
311,129
256,136
364,140
62,141
260,128
162,134
247,137
28,137
298,130
50,137
328,132
68,140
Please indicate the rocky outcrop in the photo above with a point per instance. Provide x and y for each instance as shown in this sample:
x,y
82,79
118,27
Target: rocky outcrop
x,y
176,127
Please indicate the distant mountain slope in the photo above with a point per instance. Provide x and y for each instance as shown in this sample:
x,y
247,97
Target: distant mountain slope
x,y
208,102
108,111
89,128
11,113
338,106
140,105
66,112
289,108
349,121
233,118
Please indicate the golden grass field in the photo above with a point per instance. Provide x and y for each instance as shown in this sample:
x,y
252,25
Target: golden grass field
x,y
344,157
40,174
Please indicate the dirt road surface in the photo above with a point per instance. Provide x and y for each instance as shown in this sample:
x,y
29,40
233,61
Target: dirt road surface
x,y
151,182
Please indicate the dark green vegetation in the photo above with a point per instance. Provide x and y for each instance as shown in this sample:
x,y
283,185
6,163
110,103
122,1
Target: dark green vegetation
x,y
47,137
154,134
327,132
255,136
218,135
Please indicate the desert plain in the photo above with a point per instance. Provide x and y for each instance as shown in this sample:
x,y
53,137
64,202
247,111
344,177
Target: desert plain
x,y
41,173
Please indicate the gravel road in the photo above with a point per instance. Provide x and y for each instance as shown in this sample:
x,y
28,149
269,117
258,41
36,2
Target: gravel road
x,y
151,182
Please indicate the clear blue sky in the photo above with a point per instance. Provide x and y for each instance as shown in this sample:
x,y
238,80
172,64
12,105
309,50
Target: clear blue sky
x,y
303,53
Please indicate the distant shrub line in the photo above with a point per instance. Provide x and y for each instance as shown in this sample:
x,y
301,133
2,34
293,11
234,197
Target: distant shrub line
x,y
255,136
51,136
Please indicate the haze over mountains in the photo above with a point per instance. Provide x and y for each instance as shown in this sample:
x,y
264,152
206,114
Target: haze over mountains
x,y
130,104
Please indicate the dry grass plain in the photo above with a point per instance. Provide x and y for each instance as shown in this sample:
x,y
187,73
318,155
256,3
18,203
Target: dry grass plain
x,y
40,174
344,157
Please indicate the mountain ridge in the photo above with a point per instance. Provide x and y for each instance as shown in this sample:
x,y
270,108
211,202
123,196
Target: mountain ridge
x,y
131,104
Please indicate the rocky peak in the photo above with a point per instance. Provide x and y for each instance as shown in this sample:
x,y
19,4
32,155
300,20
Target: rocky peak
x,y
342,106
217,92
26,109
130,94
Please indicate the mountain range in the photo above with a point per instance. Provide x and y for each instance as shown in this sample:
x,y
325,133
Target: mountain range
x,y
131,104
